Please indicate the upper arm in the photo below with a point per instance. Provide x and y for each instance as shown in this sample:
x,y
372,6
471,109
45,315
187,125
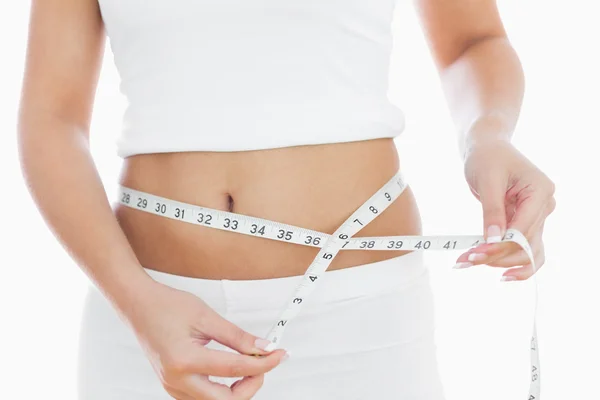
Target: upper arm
x,y
451,26
63,61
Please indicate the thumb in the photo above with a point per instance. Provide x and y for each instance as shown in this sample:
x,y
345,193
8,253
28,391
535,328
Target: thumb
x,y
234,337
492,195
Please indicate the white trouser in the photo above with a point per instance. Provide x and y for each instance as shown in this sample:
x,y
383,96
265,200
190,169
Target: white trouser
x,y
366,333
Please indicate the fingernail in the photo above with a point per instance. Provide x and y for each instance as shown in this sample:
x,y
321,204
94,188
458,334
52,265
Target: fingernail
x,y
507,278
494,234
462,265
262,344
285,357
477,257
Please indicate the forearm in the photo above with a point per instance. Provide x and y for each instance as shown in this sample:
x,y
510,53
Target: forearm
x,y
484,88
65,185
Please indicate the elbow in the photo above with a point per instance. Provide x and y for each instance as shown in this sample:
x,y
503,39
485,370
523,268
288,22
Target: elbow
x,y
43,134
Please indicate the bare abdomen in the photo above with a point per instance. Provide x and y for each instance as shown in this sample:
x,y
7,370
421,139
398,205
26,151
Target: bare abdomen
x,y
315,187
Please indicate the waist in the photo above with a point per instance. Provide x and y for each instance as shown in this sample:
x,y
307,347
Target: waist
x,y
315,187
361,281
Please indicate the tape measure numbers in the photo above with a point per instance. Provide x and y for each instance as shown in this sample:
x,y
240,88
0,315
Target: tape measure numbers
x,y
330,245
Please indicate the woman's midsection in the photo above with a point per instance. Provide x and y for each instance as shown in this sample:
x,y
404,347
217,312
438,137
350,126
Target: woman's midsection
x,y
315,187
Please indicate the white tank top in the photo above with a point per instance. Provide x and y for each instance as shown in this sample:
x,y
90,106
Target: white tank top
x,y
230,75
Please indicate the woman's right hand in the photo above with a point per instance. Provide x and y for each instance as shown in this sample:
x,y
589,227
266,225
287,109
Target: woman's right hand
x,y
173,328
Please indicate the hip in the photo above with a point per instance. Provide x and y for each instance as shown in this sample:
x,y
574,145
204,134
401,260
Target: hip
x,y
366,332
313,187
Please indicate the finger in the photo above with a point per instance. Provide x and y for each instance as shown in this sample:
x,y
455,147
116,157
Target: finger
x,y
492,194
234,337
482,253
234,384
512,260
246,388
501,254
524,272
551,206
177,394
200,387
520,257
487,254
230,364
531,210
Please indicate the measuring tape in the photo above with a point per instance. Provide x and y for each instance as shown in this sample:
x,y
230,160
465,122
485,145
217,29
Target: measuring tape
x,y
329,245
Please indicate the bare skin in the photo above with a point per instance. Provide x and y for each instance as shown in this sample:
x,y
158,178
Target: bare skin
x,y
277,184
304,185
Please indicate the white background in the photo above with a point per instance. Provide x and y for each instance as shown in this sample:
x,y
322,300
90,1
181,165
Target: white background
x,y
483,324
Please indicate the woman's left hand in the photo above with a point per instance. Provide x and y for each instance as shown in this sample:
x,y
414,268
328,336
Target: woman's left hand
x,y
514,194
